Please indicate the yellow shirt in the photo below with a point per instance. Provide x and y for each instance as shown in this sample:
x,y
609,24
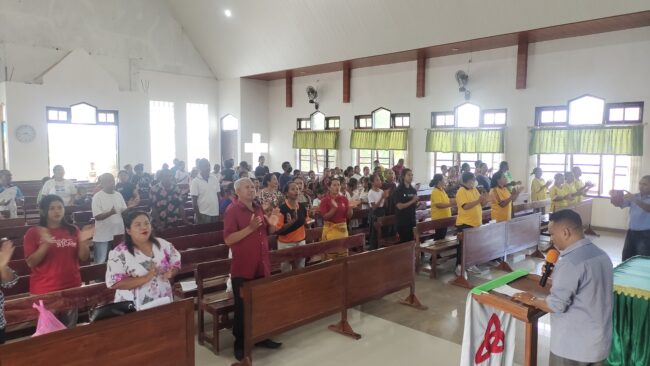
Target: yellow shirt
x,y
498,194
472,217
439,196
536,191
558,191
578,184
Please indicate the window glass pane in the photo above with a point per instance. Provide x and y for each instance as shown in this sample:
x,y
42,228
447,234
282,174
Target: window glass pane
x,y
632,114
101,117
449,119
440,120
616,114
318,121
53,115
198,132
110,117
488,118
552,159
560,116
229,123
587,110
546,117
467,115
83,113
162,131
63,115
381,118
500,118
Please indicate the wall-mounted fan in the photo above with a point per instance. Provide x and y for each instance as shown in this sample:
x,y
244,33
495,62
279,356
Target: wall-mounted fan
x,y
462,78
312,94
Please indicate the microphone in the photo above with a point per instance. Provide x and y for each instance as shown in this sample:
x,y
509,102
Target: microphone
x,y
551,258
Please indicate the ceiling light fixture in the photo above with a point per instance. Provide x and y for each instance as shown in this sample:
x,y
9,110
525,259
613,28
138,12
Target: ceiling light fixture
x,y
228,13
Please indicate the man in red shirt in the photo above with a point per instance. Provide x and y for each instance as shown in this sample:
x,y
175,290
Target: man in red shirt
x,y
246,230
398,167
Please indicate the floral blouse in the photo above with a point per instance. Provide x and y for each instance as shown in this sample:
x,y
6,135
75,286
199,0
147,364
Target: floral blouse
x,y
167,204
270,197
10,284
122,264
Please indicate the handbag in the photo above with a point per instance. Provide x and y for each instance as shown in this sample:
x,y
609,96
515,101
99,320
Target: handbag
x,y
111,310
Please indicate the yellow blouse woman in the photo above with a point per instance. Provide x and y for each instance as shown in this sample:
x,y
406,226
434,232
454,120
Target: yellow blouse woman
x,y
560,195
440,203
539,187
501,198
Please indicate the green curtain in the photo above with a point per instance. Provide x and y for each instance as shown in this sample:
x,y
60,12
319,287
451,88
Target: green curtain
x,y
465,140
631,334
394,139
609,140
316,139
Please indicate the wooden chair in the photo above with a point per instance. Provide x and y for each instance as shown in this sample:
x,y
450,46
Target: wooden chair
x,y
12,222
211,278
386,222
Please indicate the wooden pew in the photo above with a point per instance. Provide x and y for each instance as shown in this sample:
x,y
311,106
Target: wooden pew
x,y
361,215
194,241
14,233
89,274
313,235
190,259
327,288
135,339
584,209
481,245
523,233
190,229
5,223
386,222
424,229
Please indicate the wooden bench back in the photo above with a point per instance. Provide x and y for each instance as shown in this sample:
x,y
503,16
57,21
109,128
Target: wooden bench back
x,y
314,249
208,273
522,233
428,226
190,229
194,241
484,243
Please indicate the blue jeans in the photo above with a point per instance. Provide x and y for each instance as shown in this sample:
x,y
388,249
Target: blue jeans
x,y
100,251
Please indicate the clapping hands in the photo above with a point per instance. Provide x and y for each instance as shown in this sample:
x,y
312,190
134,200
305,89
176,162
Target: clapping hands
x,y
6,251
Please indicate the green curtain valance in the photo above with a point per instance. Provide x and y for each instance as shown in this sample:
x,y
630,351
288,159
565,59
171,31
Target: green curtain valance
x,y
316,139
394,139
464,140
609,140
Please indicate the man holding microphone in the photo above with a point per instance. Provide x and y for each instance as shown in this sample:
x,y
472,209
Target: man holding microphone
x,y
580,298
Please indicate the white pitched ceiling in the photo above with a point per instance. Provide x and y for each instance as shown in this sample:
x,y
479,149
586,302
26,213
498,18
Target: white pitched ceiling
x,y
270,35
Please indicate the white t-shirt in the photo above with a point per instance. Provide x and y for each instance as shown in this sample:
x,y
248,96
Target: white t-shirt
x,y
106,229
206,192
374,197
182,177
64,189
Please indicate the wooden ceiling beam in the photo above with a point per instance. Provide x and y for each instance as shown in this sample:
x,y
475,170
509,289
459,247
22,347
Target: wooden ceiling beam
x,y
288,85
347,76
522,62
421,75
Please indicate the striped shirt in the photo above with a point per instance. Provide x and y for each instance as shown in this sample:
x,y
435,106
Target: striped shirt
x,y
3,322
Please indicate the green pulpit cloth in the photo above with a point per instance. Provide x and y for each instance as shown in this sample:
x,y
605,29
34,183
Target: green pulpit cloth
x,y
631,318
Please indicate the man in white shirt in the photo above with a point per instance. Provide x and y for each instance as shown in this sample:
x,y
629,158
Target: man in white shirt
x,y
107,207
9,194
205,194
59,186
357,173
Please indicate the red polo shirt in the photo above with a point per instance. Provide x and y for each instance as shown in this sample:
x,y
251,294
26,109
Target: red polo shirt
x,y
250,256
341,214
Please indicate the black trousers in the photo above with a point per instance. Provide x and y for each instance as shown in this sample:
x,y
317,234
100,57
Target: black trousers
x,y
459,251
405,232
238,318
2,335
637,242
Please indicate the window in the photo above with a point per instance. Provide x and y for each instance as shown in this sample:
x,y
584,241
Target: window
x,y
304,124
332,123
98,141
494,117
438,159
551,116
83,113
586,110
198,132
387,158
442,119
315,159
606,172
229,123
468,115
363,121
162,131
401,120
57,114
624,112
381,118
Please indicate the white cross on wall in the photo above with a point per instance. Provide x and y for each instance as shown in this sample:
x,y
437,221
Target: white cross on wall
x,y
256,147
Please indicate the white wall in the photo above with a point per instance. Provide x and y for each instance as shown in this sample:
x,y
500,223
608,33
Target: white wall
x,y
611,65
254,117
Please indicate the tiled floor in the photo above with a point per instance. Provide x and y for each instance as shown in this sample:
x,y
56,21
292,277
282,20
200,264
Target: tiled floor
x,y
394,334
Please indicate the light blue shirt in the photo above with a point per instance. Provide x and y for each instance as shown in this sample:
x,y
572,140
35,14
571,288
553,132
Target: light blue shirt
x,y
639,218
581,300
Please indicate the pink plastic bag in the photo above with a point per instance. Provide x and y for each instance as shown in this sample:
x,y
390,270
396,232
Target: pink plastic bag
x,y
47,322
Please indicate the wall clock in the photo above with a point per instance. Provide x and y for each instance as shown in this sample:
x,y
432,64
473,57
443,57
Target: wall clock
x,y
25,133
